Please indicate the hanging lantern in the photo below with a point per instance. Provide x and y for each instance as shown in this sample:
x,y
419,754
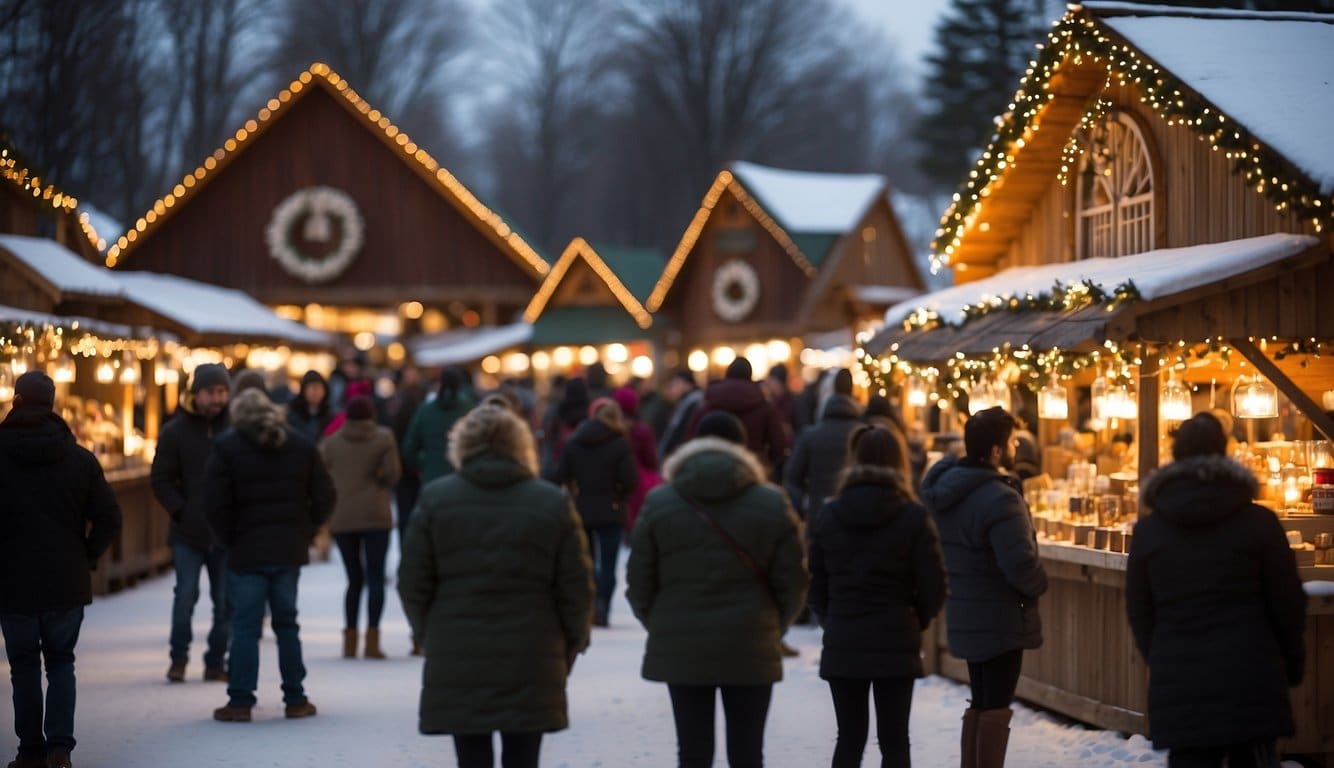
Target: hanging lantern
x,y
164,373
1000,394
106,373
1053,401
1122,402
129,370
980,397
63,370
6,384
18,366
1174,400
916,392
1098,403
1254,398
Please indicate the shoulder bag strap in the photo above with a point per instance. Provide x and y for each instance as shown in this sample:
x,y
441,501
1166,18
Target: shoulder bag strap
x,y
732,544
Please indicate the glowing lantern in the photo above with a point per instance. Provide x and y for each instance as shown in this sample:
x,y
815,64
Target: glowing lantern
x,y
1174,400
1254,398
1053,401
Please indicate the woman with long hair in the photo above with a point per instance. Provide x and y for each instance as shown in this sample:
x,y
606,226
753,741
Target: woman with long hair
x,y
495,580
599,471
877,580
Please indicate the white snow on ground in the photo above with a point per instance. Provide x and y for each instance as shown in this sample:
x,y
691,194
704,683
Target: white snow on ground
x,y
128,715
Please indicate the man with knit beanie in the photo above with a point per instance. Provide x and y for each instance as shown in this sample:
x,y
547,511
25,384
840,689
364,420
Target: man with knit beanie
x,y
59,517
178,483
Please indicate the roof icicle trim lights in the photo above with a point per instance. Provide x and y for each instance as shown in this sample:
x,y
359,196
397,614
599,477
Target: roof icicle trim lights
x,y
579,247
1074,37
275,106
725,181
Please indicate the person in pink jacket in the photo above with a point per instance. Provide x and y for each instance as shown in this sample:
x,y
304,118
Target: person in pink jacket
x,y
644,448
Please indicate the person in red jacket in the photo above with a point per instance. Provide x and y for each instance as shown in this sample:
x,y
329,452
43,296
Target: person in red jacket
x,y
744,398
645,450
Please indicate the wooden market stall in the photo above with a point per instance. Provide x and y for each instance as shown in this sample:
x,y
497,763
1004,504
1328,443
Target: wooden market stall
x,y
1159,247
775,255
323,208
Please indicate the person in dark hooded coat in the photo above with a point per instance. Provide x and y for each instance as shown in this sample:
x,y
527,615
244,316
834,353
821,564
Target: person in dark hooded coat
x,y
598,467
996,578
58,517
1216,606
811,473
309,412
877,580
737,394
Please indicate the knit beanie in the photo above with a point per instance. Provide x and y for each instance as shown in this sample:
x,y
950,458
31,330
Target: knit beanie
x,y
740,369
724,425
209,375
35,389
360,408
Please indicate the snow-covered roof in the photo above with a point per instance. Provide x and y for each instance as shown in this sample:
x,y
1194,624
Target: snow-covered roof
x,y
805,202
61,267
1164,272
468,345
41,319
1271,72
209,309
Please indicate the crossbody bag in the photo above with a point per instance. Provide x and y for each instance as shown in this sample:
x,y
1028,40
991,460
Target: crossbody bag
x,y
732,544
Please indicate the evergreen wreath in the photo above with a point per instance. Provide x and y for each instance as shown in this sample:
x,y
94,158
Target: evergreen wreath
x,y
736,290
320,204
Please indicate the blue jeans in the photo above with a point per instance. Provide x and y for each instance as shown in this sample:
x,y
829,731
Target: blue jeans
x,y
28,639
249,591
607,539
363,554
189,561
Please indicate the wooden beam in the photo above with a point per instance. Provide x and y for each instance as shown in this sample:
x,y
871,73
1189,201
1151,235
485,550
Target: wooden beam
x,y
1309,408
1148,419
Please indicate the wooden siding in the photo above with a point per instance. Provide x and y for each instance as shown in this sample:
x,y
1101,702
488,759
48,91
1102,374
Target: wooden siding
x,y
783,285
581,287
417,244
1202,201
885,260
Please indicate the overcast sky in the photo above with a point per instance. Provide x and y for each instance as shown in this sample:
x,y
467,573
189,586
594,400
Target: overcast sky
x,y
907,23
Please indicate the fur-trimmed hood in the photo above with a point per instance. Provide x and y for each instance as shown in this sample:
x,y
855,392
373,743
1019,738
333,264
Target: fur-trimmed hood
x,y
713,468
1200,490
869,474
492,433
256,417
870,496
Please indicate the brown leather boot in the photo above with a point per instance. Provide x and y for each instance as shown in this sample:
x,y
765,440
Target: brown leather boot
x,y
993,736
349,643
373,644
968,739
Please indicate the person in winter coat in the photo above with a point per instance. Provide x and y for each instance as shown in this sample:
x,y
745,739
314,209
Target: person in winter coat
x,y
560,422
309,413
877,580
644,448
821,453
881,413
425,442
496,580
355,388
685,397
716,574
408,397
598,469
177,479
738,395
996,578
58,517
362,459
1216,606
267,493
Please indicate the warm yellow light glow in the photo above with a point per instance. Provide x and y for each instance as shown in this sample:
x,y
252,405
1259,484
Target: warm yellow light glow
x,y
63,371
1254,398
915,392
779,351
588,355
516,362
396,352
1053,401
491,364
563,357
364,340
412,310
106,373
617,353
758,355
698,361
641,367
723,356
541,360
1174,400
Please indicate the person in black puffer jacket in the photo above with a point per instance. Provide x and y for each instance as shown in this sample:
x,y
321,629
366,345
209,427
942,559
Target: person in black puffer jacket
x,y
598,468
811,473
1217,608
877,579
58,517
177,479
309,412
268,491
996,578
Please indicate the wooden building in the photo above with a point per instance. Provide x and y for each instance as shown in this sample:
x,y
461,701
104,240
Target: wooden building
x,y
1153,216
323,207
776,255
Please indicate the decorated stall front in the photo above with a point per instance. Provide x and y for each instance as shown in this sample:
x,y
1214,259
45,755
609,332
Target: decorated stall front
x,y
773,256
1104,295
321,207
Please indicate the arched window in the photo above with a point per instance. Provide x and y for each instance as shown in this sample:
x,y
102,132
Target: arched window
x,y
1115,191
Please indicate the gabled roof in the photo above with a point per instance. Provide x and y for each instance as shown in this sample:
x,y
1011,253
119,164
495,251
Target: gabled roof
x,y
811,203
61,270
629,273
1255,85
15,170
320,76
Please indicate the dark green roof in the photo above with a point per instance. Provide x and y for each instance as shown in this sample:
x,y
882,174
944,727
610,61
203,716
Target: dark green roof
x,y
638,269
815,246
586,325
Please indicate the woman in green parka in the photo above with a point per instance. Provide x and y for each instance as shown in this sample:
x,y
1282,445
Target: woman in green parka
x,y
716,575
424,443
497,583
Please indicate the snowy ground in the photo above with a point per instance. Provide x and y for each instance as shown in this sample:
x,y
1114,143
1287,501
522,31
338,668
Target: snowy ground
x,y
128,715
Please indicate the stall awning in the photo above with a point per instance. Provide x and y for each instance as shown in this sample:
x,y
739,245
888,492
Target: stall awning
x,y
211,314
99,327
61,270
1157,275
469,344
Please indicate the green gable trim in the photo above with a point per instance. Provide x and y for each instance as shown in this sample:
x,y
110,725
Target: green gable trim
x,y
586,325
638,269
814,246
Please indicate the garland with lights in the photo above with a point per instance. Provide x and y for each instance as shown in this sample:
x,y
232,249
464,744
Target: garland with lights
x,y
1076,36
319,204
1064,297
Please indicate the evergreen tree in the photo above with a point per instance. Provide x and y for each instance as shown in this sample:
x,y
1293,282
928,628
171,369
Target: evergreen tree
x,y
982,50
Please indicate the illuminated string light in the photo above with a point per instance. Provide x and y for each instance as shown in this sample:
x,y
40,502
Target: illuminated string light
x,y
579,248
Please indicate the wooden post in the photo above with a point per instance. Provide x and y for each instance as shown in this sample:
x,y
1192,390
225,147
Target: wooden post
x,y
126,417
1309,408
152,406
1148,418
